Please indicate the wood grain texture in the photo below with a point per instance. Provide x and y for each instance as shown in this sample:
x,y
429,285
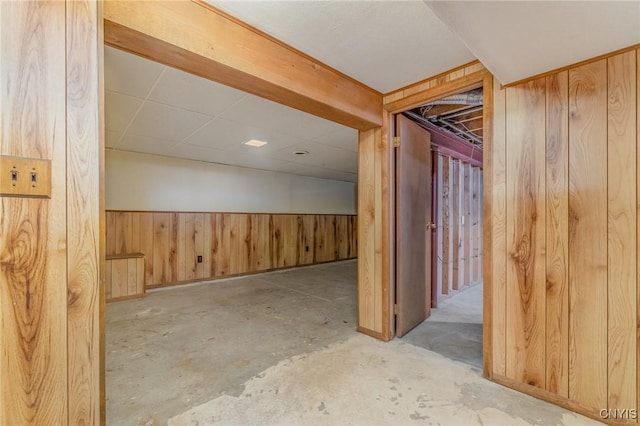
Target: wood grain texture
x,y
588,235
306,236
33,255
498,173
525,336
221,49
284,238
85,149
413,213
367,280
557,240
230,243
622,243
125,277
637,225
260,255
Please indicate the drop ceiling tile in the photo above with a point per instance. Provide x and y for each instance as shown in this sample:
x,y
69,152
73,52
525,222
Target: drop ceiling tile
x,y
228,135
384,44
320,156
232,158
119,110
188,91
271,116
344,138
165,122
128,73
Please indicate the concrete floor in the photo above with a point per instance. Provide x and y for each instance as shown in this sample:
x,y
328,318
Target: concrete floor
x,y
281,348
454,329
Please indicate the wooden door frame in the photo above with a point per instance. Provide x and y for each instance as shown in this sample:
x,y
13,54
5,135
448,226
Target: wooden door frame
x,y
475,80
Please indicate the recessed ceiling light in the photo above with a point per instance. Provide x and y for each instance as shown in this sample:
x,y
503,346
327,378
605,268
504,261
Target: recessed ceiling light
x,y
300,152
255,142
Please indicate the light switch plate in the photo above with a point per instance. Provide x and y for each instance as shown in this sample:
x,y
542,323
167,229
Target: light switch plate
x,y
25,177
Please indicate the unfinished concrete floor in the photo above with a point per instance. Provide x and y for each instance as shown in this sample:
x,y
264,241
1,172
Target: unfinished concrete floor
x,y
281,348
454,329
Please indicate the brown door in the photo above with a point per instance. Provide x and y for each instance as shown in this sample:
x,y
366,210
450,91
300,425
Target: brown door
x,y
413,230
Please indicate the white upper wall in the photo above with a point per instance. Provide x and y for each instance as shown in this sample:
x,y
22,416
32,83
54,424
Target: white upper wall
x,y
519,39
150,182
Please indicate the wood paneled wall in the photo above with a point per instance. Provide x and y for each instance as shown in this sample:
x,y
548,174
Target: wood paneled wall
x,y
124,277
229,243
458,250
565,235
50,298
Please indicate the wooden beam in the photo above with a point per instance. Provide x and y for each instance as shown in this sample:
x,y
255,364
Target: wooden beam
x,y
204,41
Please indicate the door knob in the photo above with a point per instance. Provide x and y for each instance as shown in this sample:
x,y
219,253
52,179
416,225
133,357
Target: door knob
x,y
431,225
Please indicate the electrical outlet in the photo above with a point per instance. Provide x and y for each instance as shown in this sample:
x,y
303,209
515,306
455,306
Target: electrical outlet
x,y
25,177
199,259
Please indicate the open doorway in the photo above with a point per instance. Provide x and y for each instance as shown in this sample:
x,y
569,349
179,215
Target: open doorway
x,y
439,303
223,258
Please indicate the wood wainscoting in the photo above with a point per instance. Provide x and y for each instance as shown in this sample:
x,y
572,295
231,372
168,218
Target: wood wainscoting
x,y
228,243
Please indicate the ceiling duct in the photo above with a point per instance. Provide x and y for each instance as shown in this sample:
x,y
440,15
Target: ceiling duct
x,y
471,98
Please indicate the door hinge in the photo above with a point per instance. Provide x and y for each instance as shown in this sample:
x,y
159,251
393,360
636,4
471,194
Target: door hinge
x,y
396,141
395,309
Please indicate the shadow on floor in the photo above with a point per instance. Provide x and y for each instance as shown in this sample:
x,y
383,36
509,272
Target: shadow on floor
x,y
454,329
457,341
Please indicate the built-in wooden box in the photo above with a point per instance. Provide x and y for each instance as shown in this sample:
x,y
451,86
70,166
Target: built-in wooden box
x,y
124,276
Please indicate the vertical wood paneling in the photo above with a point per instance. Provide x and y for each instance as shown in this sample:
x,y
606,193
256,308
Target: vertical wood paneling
x,y
306,239
233,243
284,237
146,244
638,225
526,271
240,243
366,230
161,248
33,271
181,247
110,230
557,181
622,214
325,238
173,249
588,235
119,278
108,280
132,276
260,243
206,245
85,148
498,226
342,237
135,232
124,236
